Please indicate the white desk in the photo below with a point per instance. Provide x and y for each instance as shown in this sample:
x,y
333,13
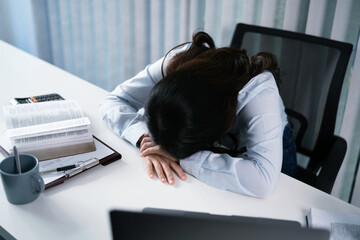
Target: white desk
x,y
78,209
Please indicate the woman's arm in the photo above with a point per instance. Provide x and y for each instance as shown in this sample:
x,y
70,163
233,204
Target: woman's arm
x,y
260,123
122,109
255,174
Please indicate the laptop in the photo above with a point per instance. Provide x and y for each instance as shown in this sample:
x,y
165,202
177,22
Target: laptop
x,y
161,224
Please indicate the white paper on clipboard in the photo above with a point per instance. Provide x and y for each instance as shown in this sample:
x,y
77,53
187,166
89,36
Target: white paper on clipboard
x,y
101,152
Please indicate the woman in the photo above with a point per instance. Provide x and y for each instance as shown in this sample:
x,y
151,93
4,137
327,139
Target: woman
x,y
205,111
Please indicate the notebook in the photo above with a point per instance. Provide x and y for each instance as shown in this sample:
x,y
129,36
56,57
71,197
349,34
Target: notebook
x,y
169,224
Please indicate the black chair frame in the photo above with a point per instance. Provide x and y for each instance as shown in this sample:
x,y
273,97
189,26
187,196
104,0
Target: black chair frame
x,y
329,151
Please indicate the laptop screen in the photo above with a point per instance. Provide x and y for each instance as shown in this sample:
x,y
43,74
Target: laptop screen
x,y
168,224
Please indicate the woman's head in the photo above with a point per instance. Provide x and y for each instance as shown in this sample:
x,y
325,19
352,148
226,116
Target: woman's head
x,y
195,103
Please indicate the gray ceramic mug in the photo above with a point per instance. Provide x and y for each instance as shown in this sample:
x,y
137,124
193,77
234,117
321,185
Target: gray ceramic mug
x,y
24,187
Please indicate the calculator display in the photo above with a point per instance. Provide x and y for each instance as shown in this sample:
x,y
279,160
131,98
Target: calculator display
x,y
35,99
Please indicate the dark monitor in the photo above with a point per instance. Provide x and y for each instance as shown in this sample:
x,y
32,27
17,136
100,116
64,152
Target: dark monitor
x,y
183,225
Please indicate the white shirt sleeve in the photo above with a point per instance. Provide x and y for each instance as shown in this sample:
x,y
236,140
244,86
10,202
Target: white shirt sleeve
x,y
123,108
257,173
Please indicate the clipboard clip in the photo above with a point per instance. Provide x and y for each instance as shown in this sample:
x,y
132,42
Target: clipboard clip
x,y
83,165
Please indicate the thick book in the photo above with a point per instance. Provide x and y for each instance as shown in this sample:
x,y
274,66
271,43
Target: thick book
x,y
48,129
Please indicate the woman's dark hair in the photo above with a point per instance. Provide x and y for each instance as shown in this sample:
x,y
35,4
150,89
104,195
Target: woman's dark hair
x,y
262,61
194,105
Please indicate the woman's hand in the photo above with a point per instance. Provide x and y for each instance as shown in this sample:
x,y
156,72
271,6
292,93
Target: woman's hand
x,y
164,168
148,147
161,161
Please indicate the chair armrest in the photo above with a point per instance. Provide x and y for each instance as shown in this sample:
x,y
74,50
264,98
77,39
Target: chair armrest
x,y
331,165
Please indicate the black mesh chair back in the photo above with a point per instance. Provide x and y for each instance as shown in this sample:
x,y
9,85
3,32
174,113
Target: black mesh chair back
x,y
312,71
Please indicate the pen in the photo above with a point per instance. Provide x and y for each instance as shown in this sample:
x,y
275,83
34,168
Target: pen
x,y
59,169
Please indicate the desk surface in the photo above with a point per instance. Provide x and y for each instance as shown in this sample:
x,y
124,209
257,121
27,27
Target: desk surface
x,y
79,208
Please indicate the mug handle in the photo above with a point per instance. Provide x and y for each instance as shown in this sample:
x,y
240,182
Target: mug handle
x,y
40,182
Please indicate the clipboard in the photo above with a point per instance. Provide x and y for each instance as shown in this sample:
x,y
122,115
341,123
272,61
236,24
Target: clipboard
x,y
103,155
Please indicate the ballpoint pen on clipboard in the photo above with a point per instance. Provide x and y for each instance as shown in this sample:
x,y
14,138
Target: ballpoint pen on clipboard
x,y
83,166
60,169
74,168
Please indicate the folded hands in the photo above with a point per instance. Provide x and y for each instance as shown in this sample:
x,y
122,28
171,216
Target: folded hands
x,y
160,161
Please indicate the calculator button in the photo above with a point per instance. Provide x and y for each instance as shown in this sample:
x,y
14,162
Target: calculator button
x,y
34,99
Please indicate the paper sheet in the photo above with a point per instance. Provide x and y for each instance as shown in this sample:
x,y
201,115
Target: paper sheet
x,y
24,115
101,152
341,226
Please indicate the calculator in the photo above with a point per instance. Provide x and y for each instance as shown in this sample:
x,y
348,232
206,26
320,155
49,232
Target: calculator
x,y
35,99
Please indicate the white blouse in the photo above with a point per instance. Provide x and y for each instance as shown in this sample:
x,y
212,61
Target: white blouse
x,y
259,126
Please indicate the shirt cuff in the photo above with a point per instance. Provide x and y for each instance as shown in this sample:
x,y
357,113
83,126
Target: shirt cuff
x,y
134,132
193,164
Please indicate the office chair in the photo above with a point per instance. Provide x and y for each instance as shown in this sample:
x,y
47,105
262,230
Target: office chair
x,y
312,71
